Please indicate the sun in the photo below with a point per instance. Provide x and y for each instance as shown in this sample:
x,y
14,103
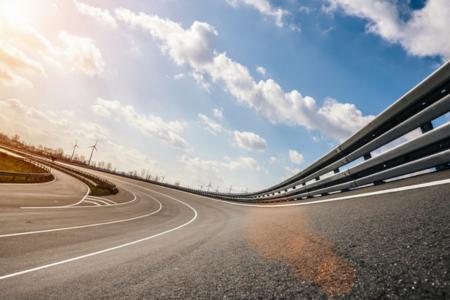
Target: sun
x,y
14,13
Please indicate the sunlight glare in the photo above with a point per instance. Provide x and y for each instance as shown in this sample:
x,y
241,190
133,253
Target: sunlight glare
x,y
14,13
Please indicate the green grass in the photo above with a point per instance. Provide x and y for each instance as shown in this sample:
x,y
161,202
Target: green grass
x,y
10,163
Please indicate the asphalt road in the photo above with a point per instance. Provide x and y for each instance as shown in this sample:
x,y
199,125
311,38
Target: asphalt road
x,y
160,243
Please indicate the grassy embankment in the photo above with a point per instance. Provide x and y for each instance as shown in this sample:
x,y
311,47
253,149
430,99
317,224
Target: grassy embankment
x,y
10,163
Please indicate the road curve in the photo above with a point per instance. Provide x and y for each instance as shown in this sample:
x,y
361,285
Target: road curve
x,y
170,244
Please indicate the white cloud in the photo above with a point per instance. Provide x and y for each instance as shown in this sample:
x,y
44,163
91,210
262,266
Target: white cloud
x,y
249,140
296,157
17,60
273,159
216,166
82,54
215,171
25,52
178,76
9,78
103,15
15,65
59,129
209,125
193,47
218,113
264,7
424,32
305,9
261,70
291,171
155,126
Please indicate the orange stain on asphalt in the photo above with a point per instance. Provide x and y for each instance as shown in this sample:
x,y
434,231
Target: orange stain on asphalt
x,y
288,237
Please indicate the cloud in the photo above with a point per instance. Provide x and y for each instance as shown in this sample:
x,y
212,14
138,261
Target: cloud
x,y
296,157
9,78
102,15
59,129
209,125
193,47
261,70
82,54
264,7
423,33
178,76
24,52
305,9
292,171
249,140
218,113
167,131
17,60
15,65
215,171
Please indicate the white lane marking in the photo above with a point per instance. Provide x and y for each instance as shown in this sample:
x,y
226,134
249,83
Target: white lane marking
x,y
98,201
91,202
87,225
76,205
112,248
61,206
101,199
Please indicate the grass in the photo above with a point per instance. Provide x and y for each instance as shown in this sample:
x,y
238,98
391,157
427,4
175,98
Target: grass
x,y
10,163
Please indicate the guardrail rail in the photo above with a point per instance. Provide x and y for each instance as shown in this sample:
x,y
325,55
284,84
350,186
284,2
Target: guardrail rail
x,y
416,109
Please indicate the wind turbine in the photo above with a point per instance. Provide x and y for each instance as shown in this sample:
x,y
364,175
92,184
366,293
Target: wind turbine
x,y
94,147
208,186
231,188
74,147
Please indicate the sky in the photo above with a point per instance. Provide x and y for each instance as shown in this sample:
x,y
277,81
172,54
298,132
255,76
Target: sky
x,y
232,93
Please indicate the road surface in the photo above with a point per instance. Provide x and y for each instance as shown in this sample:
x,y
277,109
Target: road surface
x,y
377,242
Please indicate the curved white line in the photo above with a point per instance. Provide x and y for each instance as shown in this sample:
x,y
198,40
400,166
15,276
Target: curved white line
x,y
92,202
76,205
98,201
87,225
109,249
61,206
103,206
93,198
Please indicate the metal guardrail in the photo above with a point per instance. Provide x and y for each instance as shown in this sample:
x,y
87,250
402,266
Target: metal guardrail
x,y
27,177
429,100
426,102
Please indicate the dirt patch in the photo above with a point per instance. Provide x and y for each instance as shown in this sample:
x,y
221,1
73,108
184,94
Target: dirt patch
x,y
288,237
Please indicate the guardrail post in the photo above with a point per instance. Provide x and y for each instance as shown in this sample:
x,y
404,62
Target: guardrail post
x,y
425,127
367,156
